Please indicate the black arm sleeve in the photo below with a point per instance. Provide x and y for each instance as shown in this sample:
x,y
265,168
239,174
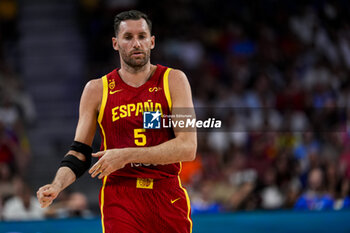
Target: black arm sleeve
x,y
78,166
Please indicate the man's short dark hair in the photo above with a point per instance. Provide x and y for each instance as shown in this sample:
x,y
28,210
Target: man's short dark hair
x,y
133,15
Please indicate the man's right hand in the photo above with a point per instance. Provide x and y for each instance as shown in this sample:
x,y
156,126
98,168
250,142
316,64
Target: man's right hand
x,y
46,194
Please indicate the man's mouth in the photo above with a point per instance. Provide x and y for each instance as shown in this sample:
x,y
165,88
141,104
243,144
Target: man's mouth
x,y
137,53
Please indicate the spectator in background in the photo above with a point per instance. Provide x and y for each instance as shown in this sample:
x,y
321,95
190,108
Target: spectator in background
x,y
9,113
202,202
17,111
315,197
23,206
8,147
14,150
332,178
343,196
344,164
6,182
271,195
308,146
69,205
78,205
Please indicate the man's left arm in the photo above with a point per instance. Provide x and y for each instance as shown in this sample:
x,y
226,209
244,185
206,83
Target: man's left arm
x,y
181,148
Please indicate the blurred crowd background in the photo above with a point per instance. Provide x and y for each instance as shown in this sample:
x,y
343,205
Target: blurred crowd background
x,y
288,59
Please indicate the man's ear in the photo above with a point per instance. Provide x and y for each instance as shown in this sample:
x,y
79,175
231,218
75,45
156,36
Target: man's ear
x,y
115,43
153,42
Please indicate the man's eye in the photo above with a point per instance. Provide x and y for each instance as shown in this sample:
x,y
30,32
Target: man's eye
x,y
128,37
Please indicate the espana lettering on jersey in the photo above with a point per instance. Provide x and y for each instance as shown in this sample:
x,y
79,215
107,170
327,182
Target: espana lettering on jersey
x,y
128,110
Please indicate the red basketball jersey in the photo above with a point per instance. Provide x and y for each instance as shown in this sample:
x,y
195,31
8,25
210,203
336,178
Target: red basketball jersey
x,y
121,120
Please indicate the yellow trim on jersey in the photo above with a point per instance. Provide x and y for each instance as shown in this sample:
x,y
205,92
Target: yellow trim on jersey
x,y
187,198
102,108
104,98
180,168
188,204
166,87
102,203
99,120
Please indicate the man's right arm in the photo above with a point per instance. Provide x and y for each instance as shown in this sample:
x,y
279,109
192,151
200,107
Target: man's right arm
x,y
85,132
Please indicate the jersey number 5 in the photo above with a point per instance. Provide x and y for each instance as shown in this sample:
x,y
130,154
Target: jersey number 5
x,y
140,138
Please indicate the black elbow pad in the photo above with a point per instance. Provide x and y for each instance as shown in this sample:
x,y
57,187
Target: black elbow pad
x,y
78,166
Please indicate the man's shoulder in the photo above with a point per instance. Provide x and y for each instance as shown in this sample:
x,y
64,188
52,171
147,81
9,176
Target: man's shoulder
x,y
94,89
177,74
177,78
94,83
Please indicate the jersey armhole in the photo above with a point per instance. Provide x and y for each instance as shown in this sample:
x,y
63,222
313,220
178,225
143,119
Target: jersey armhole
x,y
166,87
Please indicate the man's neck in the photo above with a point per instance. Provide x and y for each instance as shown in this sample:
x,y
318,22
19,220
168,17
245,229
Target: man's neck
x,y
136,77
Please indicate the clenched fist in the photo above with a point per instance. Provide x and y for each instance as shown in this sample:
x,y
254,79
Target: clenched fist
x,y
46,194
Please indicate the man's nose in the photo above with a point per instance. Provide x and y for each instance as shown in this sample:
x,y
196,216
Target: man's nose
x,y
136,43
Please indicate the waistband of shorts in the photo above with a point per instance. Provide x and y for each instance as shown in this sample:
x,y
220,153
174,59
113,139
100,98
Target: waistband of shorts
x,y
132,181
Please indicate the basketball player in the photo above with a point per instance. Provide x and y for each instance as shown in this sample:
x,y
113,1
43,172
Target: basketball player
x,y
141,189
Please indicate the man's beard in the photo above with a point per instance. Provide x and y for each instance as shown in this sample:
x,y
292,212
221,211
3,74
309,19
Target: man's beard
x,y
135,63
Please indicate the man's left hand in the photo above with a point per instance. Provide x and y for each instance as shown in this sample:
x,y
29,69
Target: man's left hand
x,y
110,161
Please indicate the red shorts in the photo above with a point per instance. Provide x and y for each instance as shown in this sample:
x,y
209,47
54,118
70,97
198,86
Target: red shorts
x,y
130,205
